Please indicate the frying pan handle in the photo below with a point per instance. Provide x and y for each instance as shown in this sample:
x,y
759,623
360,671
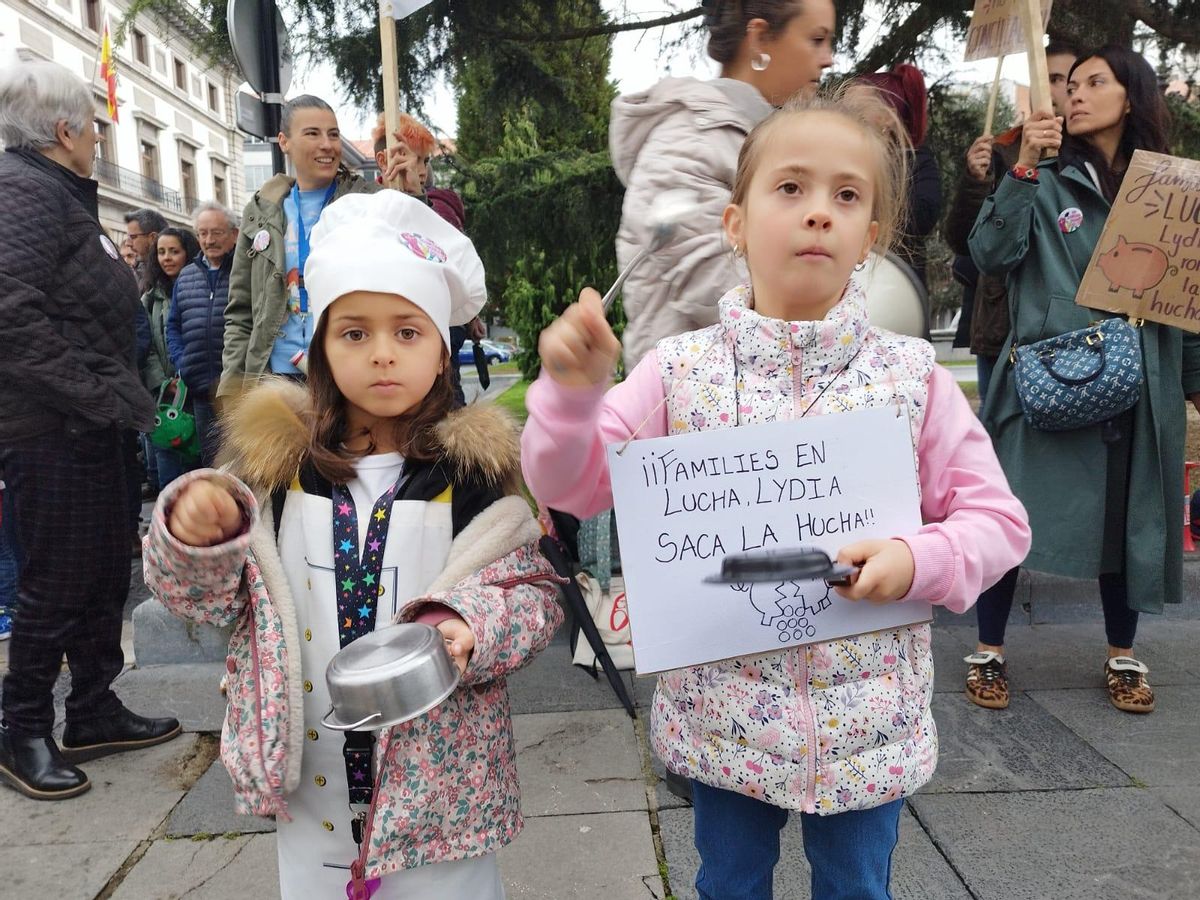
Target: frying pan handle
x,y
336,727
843,581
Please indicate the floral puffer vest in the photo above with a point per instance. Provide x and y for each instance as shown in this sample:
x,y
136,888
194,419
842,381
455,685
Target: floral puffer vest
x,y
828,727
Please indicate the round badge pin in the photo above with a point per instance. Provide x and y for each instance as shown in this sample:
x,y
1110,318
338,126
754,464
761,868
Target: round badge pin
x,y
262,240
1070,219
109,247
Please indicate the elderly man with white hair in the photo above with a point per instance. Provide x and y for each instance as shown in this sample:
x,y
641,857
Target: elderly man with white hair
x,y
69,394
196,321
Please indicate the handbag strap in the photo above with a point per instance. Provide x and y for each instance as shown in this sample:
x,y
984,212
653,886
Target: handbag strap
x,y
1012,320
180,393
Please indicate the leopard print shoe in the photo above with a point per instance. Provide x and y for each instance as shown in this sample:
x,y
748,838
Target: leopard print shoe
x,y
987,679
1128,689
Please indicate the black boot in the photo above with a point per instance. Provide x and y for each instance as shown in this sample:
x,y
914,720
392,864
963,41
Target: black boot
x,y
34,767
121,731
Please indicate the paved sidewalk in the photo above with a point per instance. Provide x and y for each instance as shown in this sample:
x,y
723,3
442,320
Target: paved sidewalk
x,y
1058,797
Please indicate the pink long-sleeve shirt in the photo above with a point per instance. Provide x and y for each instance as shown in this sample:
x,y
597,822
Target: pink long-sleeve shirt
x,y
975,528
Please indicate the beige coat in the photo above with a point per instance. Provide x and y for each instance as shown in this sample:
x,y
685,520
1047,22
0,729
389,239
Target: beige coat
x,y
681,133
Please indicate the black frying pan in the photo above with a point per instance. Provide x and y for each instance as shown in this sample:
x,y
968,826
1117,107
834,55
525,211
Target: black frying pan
x,y
795,564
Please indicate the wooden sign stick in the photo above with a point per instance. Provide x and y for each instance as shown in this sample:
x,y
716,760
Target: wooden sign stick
x,y
1039,72
991,107
391,82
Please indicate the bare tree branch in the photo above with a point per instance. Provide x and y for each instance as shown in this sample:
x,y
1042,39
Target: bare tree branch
x,y
902,40
1176,28
575,34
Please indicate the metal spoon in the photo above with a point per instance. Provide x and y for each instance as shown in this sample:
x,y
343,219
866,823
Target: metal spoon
x,y
667,211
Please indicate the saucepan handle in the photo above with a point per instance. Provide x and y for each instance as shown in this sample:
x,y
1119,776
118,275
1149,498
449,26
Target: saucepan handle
x,y
361,722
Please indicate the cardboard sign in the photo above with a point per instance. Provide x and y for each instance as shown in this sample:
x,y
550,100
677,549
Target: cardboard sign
x,y
683,502
996,28
1147,261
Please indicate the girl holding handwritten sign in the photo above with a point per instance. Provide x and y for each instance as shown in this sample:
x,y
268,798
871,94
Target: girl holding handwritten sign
x,y
842,730
1104,500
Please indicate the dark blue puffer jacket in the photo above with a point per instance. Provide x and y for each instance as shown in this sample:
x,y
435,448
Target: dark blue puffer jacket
x,y
196,323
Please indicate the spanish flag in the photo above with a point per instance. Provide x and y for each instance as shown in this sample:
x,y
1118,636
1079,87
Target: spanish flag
x,y
108,71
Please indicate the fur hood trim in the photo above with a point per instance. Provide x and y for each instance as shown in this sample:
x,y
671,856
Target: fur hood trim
x,y
266,434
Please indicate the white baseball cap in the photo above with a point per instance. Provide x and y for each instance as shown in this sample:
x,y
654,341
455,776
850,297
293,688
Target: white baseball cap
x,y
391,243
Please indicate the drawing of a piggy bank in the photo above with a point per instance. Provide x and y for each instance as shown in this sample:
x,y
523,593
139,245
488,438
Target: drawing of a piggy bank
x,y
1137,267
787,607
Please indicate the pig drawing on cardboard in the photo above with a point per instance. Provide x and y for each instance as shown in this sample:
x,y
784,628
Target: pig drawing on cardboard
x,y
1137,267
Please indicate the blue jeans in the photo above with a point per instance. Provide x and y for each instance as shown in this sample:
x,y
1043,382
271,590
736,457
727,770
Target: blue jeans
x,y
738,839
171,464
8,554
151,462
208,427
983,372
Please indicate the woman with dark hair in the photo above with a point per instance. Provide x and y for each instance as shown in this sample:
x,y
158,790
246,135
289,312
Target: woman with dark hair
x,y
173,249
1103,500
904,90
686,133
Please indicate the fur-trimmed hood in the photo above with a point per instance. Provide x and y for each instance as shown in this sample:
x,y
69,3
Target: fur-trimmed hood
x,y
266,434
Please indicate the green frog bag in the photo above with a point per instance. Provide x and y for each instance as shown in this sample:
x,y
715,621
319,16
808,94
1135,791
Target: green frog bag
x,y
174,428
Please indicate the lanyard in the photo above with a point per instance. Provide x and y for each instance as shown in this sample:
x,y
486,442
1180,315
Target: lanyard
x,y
357,583
302,236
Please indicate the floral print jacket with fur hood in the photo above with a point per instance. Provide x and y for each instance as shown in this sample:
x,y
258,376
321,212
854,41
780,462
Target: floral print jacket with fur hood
x,y
448,786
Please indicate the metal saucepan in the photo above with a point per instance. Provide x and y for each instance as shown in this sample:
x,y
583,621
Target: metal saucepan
x,y
387,677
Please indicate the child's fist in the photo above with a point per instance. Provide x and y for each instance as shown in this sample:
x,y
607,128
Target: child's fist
x,y
459,641
579,348
886,570
204,514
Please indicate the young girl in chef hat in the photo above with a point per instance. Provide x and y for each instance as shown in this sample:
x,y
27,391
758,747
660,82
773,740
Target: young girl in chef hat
x,y
348,504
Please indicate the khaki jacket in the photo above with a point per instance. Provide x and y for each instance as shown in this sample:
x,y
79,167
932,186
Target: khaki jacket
x,y
257,304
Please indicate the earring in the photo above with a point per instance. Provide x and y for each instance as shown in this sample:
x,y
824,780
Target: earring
x,y
739,252
860,265
760,62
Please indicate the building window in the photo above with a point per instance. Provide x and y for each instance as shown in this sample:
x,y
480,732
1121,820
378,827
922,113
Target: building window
x,y
220,182
187,177
91,14
148,148
150,160
214,101
140,51
180,75
256,177
105,148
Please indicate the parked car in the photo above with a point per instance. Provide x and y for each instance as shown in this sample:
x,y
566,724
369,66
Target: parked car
x,y
495,353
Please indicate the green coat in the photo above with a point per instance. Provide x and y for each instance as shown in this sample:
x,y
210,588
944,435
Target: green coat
x,y
1061,476
257,305
157,367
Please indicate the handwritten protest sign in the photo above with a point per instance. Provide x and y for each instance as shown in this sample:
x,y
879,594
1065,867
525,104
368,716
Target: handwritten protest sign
x,y
996,28
683,502
1147,261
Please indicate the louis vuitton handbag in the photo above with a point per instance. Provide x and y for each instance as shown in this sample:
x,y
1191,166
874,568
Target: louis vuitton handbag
x,y
1080,378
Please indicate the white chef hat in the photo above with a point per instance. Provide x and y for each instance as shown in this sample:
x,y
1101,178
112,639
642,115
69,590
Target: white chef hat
x,y
392,243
